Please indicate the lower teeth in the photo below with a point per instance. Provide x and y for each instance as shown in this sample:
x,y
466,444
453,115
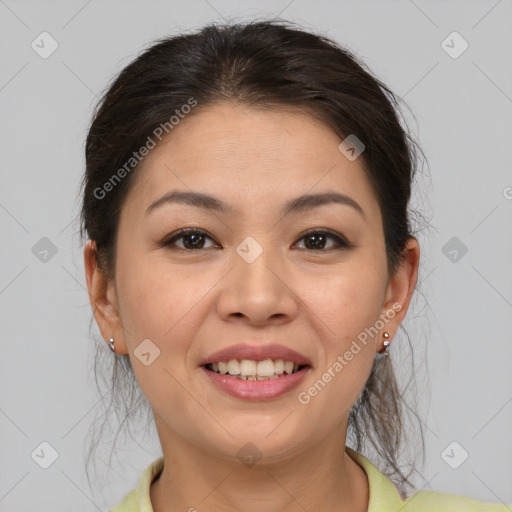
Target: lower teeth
x,y
253,377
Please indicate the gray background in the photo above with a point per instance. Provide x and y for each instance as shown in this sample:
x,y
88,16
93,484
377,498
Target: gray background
x,y
460,320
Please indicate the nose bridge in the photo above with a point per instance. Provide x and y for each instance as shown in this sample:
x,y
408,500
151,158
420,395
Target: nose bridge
x,y
256,287
257,265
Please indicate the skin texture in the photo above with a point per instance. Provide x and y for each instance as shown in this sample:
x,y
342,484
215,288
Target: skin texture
x,y
193,302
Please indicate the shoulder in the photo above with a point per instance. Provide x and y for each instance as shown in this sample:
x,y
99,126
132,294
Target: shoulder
x,y
129,503
429,501
138,500
384,496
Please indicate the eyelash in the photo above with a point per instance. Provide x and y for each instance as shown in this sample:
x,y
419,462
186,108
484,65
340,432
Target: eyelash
x,y
342,242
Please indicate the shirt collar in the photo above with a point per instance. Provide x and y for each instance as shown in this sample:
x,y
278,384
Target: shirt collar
x,y
383,492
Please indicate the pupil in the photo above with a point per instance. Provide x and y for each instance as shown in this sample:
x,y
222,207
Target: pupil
x,y
318,241
195,241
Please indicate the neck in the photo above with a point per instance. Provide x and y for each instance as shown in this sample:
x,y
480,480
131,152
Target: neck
x,y
321,478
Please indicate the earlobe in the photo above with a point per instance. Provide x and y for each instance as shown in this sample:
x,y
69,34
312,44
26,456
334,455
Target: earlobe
x,y
103,299
401,286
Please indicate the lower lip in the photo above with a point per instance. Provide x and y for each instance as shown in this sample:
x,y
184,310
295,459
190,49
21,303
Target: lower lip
x,y
257,389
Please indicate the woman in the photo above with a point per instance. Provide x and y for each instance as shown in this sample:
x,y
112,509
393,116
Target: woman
x,y
250,258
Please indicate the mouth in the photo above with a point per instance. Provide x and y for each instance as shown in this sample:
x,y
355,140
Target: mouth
x,y
249,384
256,371
248,369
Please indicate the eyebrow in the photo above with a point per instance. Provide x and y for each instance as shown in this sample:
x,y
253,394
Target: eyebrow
x,y
300,204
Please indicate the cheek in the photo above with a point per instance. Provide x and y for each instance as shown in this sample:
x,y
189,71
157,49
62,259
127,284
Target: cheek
x,y
346,305
347,301
346,308
159,305
155,298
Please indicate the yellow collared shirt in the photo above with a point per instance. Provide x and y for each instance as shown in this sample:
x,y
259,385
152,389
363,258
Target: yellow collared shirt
x,y
384,496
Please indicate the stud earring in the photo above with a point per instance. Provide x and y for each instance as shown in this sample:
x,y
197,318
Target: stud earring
x,y
111,341
386,344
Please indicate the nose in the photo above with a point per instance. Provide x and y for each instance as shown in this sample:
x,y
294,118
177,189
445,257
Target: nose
x,y
257,293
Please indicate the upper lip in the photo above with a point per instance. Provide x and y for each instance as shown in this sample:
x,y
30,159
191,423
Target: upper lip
x,y
256,353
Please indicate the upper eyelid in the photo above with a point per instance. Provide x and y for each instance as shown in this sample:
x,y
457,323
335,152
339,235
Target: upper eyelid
x,y
184,232
321,230
329,233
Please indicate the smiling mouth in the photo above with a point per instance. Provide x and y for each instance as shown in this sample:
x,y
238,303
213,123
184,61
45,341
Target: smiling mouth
x,y
245,369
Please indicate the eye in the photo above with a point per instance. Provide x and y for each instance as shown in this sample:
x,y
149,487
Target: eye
x,y
192,238
316,240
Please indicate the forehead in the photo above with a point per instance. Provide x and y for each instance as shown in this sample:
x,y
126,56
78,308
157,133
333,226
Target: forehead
x,y
246,156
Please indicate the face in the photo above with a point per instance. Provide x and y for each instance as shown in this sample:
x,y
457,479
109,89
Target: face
x,y
311,278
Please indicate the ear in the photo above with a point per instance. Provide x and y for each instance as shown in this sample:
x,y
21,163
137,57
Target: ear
x,y
103,299
400,289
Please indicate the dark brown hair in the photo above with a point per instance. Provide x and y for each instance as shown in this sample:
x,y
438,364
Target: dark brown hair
x,y
263,64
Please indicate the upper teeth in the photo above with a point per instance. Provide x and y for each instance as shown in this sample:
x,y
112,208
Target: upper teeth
x,y
245,367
